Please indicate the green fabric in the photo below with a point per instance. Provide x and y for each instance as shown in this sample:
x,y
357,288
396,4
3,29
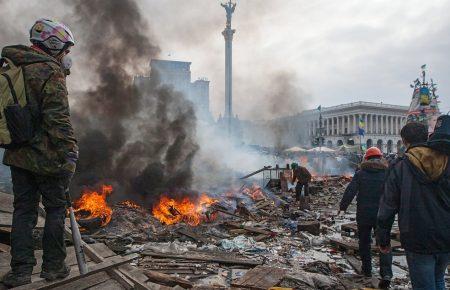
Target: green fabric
x,y
15,75
54,139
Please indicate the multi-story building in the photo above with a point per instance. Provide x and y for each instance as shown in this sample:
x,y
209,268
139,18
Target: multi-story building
x,y
339,126
178,75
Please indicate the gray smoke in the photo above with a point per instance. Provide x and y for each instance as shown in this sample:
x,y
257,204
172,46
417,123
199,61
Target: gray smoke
x,y
139,139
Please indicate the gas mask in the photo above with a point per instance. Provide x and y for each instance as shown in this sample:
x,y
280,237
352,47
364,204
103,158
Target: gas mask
x,y
66,64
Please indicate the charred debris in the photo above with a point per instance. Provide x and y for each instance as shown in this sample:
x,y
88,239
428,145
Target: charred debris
x,y
255,236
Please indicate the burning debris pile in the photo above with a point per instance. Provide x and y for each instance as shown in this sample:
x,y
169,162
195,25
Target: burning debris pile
x,y
170,211
224,239
92,205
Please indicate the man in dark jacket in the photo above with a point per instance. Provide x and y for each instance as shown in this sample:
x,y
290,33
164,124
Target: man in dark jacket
x,y
368,184
303,177
418,189
44,166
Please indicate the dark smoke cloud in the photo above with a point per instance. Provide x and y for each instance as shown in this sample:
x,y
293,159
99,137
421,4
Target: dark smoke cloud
x,y
141,140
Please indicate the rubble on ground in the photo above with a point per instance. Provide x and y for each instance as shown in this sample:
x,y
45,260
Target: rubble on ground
x,y
273,236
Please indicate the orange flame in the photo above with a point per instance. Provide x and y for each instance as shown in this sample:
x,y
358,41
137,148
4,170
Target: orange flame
x,y
255,192
130,204
93,204
303,160
170,211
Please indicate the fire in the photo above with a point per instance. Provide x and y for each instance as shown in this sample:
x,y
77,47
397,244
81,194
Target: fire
x,y
130,204
92,204
255,192
303,160
170,211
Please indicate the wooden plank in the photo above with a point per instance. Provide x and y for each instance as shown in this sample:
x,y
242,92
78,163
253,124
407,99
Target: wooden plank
x,y
6,202
86,282
4,248
6,220
192,235
352,245
209,258
74,275
6,230
109,284
250,229
354,262
261,277
70,259
98,258
167,280
140,276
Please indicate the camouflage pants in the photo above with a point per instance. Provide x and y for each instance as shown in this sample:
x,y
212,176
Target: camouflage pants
x,y
28,187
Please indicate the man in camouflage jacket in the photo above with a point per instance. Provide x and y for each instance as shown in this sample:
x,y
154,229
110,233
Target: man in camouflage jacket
x,y
46,164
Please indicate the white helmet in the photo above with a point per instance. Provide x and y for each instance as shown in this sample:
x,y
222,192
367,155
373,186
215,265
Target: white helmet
x,y
51,36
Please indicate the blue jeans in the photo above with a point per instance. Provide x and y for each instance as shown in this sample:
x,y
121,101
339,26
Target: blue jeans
x,y
427,271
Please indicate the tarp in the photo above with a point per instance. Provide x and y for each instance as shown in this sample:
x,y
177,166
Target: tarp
x,y
350,148
295,149
321,149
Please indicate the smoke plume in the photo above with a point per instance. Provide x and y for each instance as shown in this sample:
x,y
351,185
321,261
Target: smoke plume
x,y
139,139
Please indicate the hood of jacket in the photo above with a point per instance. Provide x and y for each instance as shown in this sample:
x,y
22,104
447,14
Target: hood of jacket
x,y
428,161
374,165
23,55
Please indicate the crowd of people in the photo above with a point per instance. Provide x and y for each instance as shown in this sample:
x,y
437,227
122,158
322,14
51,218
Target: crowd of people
x,y
416,187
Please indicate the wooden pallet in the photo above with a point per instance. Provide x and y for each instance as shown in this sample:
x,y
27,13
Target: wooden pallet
x,y
352,247
260,277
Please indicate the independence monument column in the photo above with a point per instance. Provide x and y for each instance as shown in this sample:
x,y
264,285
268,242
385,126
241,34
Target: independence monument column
x,y
228,35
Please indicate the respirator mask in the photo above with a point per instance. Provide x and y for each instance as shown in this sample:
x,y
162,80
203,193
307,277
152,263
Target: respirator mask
x,y
66,64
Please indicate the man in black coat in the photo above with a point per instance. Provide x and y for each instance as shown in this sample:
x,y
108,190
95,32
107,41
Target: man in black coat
x,y
368,185
418,189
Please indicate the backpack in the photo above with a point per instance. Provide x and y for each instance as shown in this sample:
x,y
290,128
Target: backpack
x,y
16,126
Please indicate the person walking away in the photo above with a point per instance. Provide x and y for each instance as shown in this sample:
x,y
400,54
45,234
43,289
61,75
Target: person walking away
x,y
44,165
368,185
303,178
418,190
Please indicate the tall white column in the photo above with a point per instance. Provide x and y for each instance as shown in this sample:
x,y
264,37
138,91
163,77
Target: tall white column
x,y
338,125
395,125
355,123
388,125
371,123
377,124
365,123
392,125
328,126
343,125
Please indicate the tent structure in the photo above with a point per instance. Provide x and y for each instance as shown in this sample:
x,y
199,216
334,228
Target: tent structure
x,y
321,149
350,148
295,149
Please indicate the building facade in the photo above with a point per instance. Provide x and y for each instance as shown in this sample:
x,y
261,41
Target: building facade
x,y
178,75
340,125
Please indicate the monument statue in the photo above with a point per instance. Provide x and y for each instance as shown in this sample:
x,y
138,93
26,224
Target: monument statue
x,y
229,8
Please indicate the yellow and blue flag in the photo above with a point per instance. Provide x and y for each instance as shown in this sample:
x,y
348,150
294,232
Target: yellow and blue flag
x,y
361,127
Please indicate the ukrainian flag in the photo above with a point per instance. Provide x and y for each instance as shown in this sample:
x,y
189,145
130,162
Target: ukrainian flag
x,y
361,127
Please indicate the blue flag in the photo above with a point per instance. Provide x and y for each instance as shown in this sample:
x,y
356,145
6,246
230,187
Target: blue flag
x,y
361,126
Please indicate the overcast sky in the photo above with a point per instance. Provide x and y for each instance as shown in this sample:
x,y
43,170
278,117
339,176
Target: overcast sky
x,y
289,55
333,51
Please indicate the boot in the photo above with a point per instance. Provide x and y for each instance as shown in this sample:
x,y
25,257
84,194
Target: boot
x,y
384,283
17,279
51,274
